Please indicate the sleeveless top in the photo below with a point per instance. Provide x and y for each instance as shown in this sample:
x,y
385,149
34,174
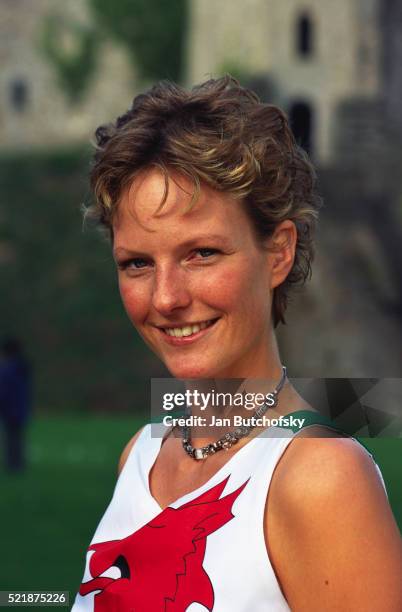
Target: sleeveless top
x,y
204,552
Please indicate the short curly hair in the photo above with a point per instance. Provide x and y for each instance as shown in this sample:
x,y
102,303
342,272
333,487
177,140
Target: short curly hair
x,y
220,134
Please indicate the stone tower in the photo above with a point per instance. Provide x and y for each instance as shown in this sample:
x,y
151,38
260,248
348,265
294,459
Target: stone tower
x,y
315,55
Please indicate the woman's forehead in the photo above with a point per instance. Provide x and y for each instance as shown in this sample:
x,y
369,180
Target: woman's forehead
x,y
140,206
150,187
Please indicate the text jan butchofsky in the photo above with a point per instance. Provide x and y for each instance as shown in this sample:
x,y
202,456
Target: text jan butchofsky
x,y
235,421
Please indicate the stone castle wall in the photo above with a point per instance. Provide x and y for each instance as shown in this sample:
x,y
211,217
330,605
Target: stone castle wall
x,y
259,36
47,117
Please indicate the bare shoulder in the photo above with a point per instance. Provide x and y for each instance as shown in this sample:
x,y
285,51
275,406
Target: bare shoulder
x,y
127,450
318,460
327,506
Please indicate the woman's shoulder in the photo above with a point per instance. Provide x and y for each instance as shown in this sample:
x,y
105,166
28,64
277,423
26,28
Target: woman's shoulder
x,y
148,432
320,461
127,449
321,466
327,506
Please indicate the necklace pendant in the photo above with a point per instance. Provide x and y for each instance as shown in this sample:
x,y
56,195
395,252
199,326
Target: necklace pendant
x,y
231,438
199,454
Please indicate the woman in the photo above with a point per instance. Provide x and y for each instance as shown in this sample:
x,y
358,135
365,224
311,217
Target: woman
x,y
210,207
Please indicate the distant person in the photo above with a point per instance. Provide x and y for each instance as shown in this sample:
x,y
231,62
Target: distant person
x,y
15,402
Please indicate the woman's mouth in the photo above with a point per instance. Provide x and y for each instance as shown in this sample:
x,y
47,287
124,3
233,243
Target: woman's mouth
x,y
186,334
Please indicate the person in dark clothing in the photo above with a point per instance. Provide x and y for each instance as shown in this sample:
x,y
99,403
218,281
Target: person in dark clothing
x,y
15,402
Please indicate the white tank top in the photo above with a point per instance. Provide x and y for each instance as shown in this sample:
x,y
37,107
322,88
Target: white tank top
x,y
204,552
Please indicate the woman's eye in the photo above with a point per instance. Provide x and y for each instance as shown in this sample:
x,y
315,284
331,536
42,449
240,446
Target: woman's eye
x,y
136,264
205,252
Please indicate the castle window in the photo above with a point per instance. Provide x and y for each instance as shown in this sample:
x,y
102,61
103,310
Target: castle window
x,y
301,120
19,94
304,36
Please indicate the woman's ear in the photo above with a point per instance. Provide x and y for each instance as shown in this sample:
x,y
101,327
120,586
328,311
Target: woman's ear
x,y
282,248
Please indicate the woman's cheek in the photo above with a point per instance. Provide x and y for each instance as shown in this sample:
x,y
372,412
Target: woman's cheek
x,y
226,286
212,288
135,301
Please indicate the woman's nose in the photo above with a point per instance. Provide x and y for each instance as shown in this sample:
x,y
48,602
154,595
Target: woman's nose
x,y
170,291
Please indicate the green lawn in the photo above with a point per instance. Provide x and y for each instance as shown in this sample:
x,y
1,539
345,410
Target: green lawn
x,y
49,514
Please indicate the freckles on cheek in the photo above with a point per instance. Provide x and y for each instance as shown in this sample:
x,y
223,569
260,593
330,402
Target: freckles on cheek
x,y
240,287
134,300
223,288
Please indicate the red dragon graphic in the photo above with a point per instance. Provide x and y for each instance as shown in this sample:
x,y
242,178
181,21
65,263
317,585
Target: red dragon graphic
x,y
161,563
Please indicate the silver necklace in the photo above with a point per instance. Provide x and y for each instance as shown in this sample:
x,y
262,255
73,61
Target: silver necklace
x,y
232,437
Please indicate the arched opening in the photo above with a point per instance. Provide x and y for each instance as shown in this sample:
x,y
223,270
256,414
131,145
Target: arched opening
x,y
19,94
301,121
304,36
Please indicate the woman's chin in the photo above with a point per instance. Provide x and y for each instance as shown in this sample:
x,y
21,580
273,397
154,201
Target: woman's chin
x,y
192,371
191,374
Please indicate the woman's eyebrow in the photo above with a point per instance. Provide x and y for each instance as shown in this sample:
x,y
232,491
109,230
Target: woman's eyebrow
x,y
197,240
123,252
224,240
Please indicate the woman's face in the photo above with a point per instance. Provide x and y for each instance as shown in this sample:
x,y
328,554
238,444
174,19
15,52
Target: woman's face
x,y
196,285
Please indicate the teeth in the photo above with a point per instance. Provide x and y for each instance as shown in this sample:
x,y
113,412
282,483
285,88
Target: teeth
x,y
188,330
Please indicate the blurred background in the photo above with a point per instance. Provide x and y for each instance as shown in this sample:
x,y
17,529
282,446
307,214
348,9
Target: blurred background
x,y
67,67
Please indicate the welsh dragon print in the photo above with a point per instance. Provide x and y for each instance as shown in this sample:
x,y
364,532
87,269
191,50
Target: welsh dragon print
x,y
161,564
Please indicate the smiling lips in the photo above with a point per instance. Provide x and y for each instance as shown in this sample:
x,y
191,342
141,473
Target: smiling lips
x,y
178,335
187,330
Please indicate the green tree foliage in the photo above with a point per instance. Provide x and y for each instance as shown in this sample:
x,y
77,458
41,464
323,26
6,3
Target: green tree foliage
x,y
236,69
152,30
74,66
59,293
